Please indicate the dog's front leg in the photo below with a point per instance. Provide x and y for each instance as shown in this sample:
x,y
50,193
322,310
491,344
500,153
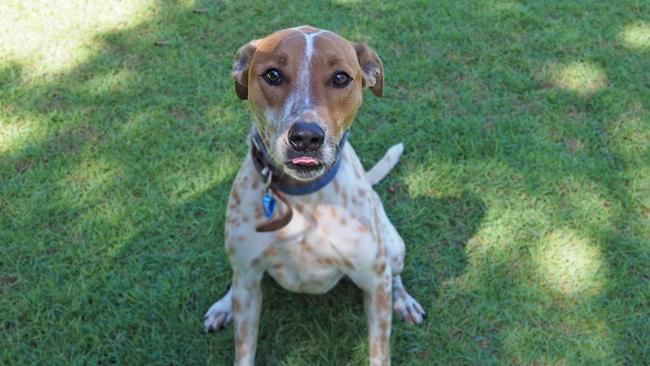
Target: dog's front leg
x,y
246,308
378,305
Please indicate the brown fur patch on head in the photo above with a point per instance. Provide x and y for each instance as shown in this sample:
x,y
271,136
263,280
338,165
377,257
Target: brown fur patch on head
x,y
287,50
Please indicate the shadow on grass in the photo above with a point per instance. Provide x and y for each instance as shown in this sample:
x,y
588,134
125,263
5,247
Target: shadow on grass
x,y
112,209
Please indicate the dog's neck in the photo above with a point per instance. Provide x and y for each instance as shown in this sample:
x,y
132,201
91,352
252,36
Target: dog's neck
x,y
281,181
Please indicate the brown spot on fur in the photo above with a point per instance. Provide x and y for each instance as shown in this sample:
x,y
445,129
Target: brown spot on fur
x,y
255,262
271,251
347,264
241,350
333,211
326,230
235,196
374,350
397,264
383,345
382,248
337,187
259,213
233,221
241,238
343,221
243,330
252,285
357,173
382,298
383,325
363,192
362,229
243,183
379,268
236,305
281,234
305,246
256,181
278,271
325,261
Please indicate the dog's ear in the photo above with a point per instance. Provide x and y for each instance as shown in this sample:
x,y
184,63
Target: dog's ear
x,y
240,68
373,69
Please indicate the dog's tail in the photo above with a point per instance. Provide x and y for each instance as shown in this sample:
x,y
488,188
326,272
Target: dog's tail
x,y
384,166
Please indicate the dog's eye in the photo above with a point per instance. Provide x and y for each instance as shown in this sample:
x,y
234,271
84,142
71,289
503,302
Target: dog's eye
x,y
341,79
273,77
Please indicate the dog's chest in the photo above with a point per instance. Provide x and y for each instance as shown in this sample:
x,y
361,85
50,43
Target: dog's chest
x,y
329,236
324,241
303,265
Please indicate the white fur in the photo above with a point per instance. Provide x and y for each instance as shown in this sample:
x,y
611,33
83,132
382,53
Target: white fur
x,y
300,98
384,166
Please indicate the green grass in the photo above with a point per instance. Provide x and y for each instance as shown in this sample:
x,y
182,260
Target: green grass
x,y
524,197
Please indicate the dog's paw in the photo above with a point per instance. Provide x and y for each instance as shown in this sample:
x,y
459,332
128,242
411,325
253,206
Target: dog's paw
x,y
218,316
409,309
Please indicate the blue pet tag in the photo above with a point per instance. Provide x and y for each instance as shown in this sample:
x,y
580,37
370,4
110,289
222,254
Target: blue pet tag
x,y
268,202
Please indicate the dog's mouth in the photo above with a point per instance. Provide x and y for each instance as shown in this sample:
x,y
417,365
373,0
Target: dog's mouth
x,y
305,168
309,165
305,162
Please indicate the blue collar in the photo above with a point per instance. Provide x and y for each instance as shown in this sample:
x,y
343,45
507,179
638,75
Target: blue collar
x,y
283,182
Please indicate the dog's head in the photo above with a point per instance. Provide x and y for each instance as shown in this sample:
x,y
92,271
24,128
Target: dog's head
x,y
304,86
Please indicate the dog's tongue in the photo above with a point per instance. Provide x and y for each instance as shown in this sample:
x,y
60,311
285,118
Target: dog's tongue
x,y
305,161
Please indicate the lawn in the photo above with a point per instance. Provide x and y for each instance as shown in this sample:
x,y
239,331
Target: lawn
x,y
524,189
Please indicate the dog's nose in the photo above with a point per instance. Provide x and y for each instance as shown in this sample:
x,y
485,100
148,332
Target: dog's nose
x,y
305,136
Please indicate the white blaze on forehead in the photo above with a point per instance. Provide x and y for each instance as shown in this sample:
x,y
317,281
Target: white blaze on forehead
x,y
300,98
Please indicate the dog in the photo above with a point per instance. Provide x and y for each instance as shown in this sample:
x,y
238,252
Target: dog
x,y
302,208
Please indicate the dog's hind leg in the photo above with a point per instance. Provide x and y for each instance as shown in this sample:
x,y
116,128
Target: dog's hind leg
x,y
405,305
219,314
